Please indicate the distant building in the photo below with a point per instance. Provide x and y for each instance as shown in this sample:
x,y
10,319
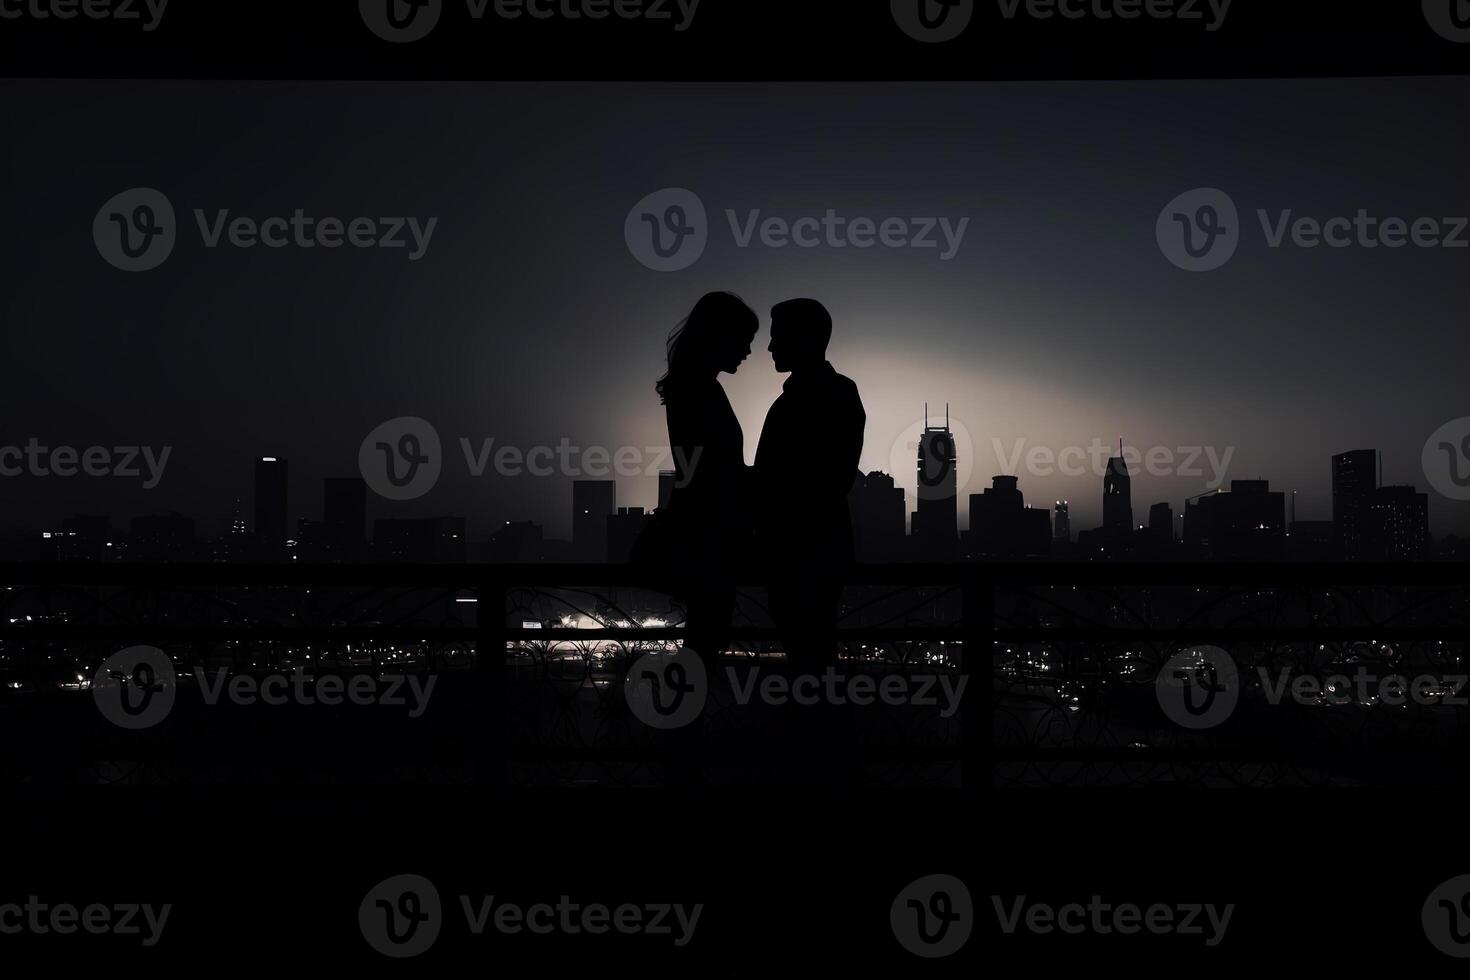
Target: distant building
x,y
593,502
1310,541
1354,479
168,537
877,506
516,543
82,538
344,515
1091,545
270,507
1036,533
1158,538
1002,526
1397,525
623,529
1245,523
434,540
936,522
311,543
1062,523
1118,505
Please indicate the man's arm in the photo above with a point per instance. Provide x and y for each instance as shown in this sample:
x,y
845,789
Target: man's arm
x,y
853,445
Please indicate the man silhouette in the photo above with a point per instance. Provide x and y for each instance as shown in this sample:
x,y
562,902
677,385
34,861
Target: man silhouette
x,y
805,465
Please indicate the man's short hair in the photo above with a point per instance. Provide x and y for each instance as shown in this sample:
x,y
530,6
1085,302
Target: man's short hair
x,y
807,316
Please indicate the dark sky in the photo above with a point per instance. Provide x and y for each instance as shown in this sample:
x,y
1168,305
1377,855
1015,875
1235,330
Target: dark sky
x,y
528,321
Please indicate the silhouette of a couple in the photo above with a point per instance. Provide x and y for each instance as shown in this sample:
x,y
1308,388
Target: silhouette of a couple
x,y
783,522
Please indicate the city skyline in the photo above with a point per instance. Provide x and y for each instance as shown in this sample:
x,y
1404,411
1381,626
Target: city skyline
x,y
1370,520
1057,322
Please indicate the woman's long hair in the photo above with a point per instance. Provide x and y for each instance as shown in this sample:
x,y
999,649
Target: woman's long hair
x,y
718,320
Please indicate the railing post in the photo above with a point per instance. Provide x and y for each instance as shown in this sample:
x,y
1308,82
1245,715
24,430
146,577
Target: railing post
x,y
492,756
977,659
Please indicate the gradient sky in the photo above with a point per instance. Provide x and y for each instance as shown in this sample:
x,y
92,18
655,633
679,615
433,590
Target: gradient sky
x,y
529,321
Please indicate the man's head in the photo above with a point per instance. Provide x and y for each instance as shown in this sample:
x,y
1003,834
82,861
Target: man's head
x,y
800,331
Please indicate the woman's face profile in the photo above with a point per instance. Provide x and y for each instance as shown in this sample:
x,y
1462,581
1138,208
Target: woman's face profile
x,y
737,349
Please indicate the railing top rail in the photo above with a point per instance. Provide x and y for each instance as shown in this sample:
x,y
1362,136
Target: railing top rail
x,y
983,574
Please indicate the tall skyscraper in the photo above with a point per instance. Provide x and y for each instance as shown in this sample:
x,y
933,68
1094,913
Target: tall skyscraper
x,y
1354,478
666,479
937,521
1062,524
593,502
344,514
877,506
270,507
1118,504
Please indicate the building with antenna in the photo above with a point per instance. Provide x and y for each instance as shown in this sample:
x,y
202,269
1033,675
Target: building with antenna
x,y
935,534
1118,505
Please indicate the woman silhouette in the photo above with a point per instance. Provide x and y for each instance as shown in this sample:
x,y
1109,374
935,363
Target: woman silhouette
x,y
707,524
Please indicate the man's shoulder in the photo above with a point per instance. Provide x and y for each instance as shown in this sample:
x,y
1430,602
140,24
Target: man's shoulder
x,y
846,387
